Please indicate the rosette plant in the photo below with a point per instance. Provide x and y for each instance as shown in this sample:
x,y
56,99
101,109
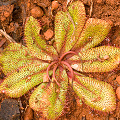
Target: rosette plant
x,y
56,67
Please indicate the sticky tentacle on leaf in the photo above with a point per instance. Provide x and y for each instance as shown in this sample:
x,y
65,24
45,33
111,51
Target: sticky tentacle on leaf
x,y
94,32
99,96
94,59
49,101
22,72
35,43
68,26
24,85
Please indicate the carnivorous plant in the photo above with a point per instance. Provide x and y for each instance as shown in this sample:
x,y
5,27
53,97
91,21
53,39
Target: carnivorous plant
x,y
55,67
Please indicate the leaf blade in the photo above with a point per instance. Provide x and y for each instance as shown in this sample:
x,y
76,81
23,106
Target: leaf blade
x,y
93,59
94,32
48,101
35,43
23,72
99,95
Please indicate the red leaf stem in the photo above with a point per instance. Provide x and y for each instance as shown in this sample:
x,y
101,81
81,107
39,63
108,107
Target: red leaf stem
x,y
70,69
48,68
69,52
54,75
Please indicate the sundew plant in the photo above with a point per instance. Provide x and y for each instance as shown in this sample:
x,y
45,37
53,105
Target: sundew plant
x,y
53,68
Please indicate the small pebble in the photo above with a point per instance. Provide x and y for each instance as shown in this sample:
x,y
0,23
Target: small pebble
x,y
99,1
55,5
48,34
118,92
118,79
2,18
112,118
9,109
6,14
37,12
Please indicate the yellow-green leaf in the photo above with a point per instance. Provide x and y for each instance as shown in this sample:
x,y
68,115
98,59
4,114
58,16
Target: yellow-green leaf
x,y
97,94
94,32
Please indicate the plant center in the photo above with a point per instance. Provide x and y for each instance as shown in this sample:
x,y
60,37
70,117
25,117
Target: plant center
x,y
62,63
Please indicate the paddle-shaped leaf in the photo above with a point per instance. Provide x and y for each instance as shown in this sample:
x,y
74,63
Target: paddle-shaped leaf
x,y
96,94
35,43
99,59
24,85
15,56
19,78
94,32
49,98
67,25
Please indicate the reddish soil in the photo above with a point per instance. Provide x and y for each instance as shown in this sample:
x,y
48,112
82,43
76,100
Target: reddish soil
x,y
13,15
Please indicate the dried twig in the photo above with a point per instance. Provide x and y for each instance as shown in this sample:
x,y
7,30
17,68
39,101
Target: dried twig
x,y
2,42
91,7
7,36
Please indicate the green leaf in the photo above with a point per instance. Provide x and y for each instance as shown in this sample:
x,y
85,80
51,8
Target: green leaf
x,y
22,74
14,56
24,85
97,94
38,46
49,99
93,59
59,30
77,13
68,26
94,32
63,31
